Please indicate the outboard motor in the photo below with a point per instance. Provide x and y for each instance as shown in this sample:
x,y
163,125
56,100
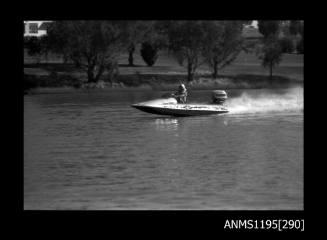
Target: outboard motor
x,y
219,96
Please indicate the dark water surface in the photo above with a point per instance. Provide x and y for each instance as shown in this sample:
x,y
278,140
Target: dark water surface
x,y
93,151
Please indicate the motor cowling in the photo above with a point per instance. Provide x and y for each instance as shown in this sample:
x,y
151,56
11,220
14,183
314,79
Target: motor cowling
x,y
219,96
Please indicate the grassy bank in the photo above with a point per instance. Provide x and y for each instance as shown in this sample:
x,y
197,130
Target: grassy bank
x,y
245,72
49,83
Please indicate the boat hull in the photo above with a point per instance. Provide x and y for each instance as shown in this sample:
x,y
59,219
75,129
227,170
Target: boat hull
x,y
181,110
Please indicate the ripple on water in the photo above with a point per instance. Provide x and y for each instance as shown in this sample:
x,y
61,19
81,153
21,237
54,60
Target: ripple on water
x,y
95,152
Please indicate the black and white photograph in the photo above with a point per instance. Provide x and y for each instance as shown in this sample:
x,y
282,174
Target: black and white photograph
x,y
163,114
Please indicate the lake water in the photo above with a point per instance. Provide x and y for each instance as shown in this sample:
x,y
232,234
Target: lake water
x,y
93,151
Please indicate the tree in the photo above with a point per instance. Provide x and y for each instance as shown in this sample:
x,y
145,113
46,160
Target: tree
x,y
294,27
92,45
154,40
224,43
149,53
268,28
301,28
131,50
247,22
137,30
186,41
270,53
286,45
299,46
35,47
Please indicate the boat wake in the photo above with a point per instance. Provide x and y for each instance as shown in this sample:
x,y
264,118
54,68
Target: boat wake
x,y
291,101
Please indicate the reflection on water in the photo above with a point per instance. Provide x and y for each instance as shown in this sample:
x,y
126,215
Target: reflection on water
x,y
166,124
93,151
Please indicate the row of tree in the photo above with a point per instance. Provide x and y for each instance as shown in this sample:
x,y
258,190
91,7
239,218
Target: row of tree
x,y
292,40
95,46
271,49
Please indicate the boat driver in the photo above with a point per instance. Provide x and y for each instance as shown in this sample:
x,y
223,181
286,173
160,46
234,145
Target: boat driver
x,y
181,94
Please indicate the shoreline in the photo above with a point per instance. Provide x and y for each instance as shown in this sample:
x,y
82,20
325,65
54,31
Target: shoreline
x,y
59,90
36,84
246,72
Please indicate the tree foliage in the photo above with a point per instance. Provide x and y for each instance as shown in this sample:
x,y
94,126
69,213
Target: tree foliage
x,y
92,45
187,40
301,28
286,45
217,43
36,46
294,27
299,46
33,45
154,40
270,53
223,45
149,53
247,22
137,31
268,28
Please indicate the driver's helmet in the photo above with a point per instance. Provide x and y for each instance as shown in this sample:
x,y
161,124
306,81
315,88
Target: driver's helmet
x,y
182,88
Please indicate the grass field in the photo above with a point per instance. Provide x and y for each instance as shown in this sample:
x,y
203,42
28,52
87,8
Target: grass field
x,y
247,67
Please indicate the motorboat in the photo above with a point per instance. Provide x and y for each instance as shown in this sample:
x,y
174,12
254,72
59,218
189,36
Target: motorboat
x,y
170,106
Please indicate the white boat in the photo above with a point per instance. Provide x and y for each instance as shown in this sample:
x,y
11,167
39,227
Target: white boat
x,y
170,106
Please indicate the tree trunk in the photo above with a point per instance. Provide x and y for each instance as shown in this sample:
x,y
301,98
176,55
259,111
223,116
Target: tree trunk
x,y
90,74
99,73
190,77
131,50
190,72
37,59
130,58
215,70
